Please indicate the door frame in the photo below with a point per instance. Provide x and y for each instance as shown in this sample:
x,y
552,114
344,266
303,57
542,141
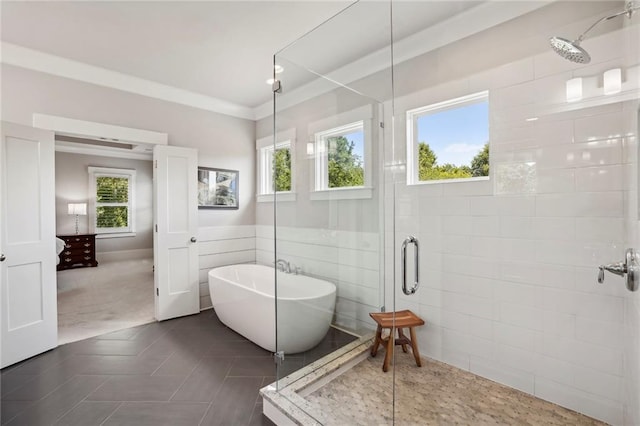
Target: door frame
x,y
142,139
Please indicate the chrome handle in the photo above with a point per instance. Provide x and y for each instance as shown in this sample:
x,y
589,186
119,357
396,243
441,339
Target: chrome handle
x,y
410,240
629,267
2,257
194,239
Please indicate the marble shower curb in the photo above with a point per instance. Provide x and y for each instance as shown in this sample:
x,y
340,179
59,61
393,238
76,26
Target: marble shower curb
x,y
288,405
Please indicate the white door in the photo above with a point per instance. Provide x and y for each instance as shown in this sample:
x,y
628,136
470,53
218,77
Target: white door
x,y
27,243
176,218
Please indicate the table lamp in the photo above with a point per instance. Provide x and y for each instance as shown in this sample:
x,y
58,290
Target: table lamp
x,y
78,209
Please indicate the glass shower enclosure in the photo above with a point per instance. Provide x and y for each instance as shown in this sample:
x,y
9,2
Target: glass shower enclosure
x,y
511,226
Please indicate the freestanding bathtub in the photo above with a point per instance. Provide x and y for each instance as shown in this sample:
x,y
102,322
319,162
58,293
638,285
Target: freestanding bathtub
x,y
243,298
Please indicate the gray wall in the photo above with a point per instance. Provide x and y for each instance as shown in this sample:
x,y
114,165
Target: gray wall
x,y
222,141
72,185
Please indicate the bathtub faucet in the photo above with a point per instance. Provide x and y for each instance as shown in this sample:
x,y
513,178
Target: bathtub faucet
x,y
283,266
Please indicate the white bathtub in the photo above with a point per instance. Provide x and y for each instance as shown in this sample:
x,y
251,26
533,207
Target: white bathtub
x,y
243,298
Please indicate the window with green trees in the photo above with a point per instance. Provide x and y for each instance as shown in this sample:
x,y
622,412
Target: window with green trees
x,y
276,168
113,204
340,159
449,140
282,169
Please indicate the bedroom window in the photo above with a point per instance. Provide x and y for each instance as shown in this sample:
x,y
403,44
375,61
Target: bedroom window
x,y
112,201
449,140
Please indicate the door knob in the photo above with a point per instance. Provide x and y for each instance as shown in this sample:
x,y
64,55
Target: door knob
x,y
193,239
629,267
2,257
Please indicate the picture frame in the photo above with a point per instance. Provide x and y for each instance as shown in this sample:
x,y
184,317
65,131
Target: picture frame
x,y
218,188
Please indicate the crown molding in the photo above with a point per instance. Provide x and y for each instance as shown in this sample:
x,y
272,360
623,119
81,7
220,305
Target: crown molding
x,y
463,25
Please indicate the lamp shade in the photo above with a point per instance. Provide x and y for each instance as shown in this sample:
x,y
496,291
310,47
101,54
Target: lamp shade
x,y
78,208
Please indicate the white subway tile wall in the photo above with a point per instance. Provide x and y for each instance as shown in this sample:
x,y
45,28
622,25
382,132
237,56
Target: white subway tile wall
x,y
509,286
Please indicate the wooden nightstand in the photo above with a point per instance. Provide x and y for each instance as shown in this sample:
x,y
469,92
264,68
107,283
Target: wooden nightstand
x,y
79,251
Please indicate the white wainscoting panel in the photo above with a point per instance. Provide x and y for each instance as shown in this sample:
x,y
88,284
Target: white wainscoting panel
x,y
220,246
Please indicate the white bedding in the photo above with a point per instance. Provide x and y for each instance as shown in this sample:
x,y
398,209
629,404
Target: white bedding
x,y
59,247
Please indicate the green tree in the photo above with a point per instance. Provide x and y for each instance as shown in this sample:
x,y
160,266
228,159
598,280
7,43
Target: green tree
x,y
112,190
480,163
112,217
282,170
428,168
451,171
426,160
345,167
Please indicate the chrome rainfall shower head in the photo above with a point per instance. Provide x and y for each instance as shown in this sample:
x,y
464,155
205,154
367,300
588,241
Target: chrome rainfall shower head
x,y
570,50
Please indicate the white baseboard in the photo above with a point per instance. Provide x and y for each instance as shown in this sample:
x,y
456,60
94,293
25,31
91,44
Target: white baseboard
x,y
117,256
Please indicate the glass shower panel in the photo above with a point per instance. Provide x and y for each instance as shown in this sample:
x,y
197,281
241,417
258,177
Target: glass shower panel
x,y
327,242
512,222
509,260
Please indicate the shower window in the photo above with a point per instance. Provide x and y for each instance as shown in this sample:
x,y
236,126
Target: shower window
x,y
275,168
112,201
449,140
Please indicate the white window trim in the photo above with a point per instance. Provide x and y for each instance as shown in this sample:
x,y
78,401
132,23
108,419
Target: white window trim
x,y
322,154
95,172
412,134
336,125
264,173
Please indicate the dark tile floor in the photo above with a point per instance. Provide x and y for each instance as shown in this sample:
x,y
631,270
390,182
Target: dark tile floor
x,y
188,371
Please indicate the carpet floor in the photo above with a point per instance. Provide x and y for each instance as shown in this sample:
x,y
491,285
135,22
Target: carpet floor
x,y
110,297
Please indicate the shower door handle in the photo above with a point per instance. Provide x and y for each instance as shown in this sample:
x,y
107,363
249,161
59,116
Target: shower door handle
x,y
410,240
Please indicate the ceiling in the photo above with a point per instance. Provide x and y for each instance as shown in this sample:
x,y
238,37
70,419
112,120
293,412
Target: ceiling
x,y
221,51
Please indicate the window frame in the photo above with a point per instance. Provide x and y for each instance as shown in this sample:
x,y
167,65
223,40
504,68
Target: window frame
x,y
130,174
264,177
412,116
322,155
337,125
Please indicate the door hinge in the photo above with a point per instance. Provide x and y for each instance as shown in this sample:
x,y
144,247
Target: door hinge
x,y
157,291
278,357
381,125
382,309
156,227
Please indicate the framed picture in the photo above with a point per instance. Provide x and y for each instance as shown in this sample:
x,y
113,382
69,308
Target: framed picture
x,y
217,188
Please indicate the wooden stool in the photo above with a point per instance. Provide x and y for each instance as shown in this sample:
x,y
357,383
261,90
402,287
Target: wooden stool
x,y
403,319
